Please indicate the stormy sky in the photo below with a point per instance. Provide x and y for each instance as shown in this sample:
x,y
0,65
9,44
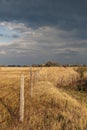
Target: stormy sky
x,y
35,31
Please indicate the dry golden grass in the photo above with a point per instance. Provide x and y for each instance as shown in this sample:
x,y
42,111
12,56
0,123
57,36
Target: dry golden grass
x,y
49,109
58,75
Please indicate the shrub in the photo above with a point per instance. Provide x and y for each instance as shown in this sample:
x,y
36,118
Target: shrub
x,y
80,71
82,82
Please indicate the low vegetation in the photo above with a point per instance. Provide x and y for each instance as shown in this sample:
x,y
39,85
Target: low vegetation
x,y
55,105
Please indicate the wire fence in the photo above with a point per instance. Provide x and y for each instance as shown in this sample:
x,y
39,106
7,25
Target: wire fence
x,y
12,91
15,83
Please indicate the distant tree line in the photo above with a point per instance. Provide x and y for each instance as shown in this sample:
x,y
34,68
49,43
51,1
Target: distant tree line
x,y
47,64
55,64
14,66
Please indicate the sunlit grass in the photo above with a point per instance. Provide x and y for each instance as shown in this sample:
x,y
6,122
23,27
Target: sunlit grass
x,y
50,108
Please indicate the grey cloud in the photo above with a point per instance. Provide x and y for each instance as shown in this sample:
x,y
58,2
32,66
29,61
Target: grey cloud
x,y
70,53
15,36
80,44
43,40
49,30
9,36
1,35
68,56
67,14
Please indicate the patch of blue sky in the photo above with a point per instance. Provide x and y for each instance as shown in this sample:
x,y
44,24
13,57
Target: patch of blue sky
x,y
5,40
7,35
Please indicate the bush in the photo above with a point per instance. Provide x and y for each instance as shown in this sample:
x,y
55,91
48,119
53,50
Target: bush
x,y
80,71
50,63
82,85
82,82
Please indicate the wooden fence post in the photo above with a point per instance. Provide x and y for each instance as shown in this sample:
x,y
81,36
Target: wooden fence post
x,y
22,99
31,82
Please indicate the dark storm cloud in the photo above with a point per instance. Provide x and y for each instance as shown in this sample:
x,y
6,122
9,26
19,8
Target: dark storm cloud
x,y
69,52
45,29
80,44
66,14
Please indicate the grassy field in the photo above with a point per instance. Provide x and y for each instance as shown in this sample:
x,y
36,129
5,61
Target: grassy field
x,y
55,105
